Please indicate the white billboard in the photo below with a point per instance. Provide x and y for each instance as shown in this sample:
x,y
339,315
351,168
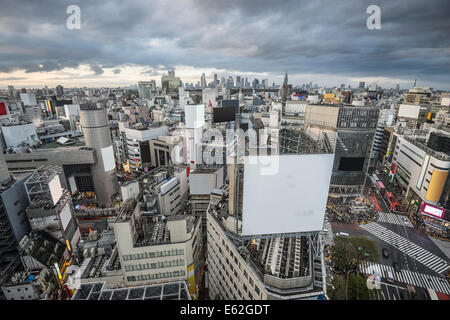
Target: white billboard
x,y
73,185
292,199
55,189
409,111
194,116
108,158
65,216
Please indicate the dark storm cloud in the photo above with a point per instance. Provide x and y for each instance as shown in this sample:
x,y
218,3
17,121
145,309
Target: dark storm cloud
x,y
314,37
97,69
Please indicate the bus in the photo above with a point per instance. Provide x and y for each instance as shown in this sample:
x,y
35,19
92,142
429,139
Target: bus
x,y
393,204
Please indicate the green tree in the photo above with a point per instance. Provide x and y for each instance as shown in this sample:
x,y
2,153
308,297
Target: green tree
x,y
348,253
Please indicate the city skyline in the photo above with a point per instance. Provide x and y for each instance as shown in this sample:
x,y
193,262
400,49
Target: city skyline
x,y
328,45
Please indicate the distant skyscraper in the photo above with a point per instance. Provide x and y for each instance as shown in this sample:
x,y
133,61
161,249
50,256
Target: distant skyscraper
x,y
361,85
59,91
203,81
11,92
238,81
284,89
216,81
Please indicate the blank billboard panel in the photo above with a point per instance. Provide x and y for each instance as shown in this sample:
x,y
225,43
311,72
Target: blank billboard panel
x,y
65,216
224,114
194,116
55,189
292,199
409,111
351,164
108,158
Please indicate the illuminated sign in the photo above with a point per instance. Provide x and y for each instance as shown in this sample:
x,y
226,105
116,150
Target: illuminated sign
x,y
432,211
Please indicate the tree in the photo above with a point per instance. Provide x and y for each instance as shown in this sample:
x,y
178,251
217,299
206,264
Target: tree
x,y
348,253
355,287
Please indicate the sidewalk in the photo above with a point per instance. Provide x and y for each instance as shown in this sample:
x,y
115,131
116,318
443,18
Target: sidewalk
x,y
443,245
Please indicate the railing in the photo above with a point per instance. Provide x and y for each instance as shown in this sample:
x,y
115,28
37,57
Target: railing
x,y
437,155
288,283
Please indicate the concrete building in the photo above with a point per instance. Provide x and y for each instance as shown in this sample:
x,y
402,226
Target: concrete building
x,y
349,130
138,145
51,209
28,99
94,122
146,88
21,134
424,175
259,269
13,220
169,82
129,190
155,249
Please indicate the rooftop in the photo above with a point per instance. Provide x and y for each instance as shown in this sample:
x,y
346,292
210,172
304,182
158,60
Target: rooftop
x,y
167,291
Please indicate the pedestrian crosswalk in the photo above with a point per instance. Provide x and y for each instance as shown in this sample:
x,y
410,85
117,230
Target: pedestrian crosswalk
x,y
421,255
394,219
440,284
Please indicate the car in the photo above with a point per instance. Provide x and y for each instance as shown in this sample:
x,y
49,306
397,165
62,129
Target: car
x,y
385,252
342,234
396,267
390,276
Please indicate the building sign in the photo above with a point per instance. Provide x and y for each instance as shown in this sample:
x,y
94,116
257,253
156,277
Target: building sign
x,y
432,211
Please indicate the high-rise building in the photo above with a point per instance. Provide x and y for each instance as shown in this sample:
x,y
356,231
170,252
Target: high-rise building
x,y
350,130
94,123
238,82
169,82
284,92
203,81
361,85
59,91
145,89
11,92
13,222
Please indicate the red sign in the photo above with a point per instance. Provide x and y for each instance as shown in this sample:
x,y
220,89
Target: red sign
x,y
393,168
432,211
2,109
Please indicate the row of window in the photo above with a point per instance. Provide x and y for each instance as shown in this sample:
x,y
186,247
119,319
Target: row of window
x,y
155,265
223,280
161,275
231,267
156,254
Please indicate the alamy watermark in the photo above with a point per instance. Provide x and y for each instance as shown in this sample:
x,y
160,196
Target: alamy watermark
x,y
374,20
74,19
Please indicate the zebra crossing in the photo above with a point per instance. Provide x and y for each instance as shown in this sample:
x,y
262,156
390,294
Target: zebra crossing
x,y
394,219
439,284
421,255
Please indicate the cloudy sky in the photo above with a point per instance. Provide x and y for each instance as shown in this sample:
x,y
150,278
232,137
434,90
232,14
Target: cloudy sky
x,y
123,41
